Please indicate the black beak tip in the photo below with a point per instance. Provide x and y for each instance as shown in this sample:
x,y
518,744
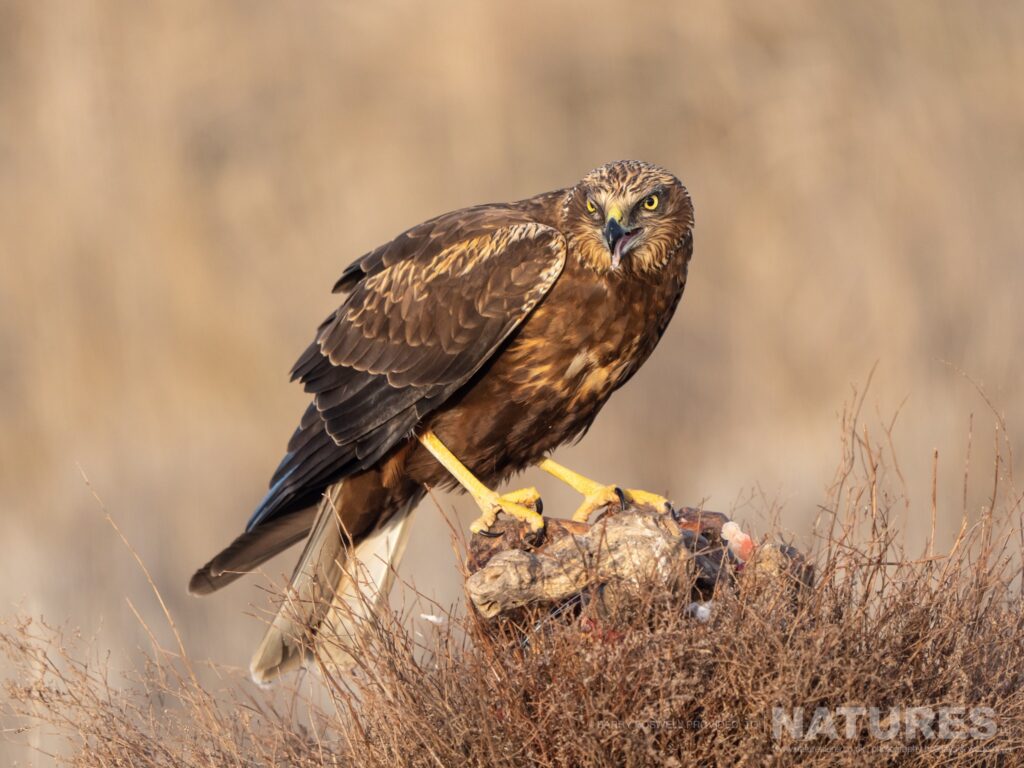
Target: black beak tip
x,y
613,232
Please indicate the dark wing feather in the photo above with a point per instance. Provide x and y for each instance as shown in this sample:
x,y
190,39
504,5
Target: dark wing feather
x,y
414,243
250,549
424,313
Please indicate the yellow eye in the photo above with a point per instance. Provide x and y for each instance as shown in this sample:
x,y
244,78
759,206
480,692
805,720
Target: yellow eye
x,y
651,203
591,208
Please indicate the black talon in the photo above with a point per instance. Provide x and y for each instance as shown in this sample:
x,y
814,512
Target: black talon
x,y
535,538
622,497
538,506
489,534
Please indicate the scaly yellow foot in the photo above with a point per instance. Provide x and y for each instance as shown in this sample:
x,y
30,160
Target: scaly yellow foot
x,y
597,496
646,498
523,504
489,501
528,497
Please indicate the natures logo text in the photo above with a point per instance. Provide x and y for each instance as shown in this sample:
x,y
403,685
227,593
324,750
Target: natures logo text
x,y
883,723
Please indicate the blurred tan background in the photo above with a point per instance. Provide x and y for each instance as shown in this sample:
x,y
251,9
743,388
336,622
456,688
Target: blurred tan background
x,y
181,183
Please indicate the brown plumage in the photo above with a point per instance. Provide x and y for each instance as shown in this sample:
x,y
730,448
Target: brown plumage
x,y
503,329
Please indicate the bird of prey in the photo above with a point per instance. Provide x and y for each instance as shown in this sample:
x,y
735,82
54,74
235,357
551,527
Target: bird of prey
x,y
465,350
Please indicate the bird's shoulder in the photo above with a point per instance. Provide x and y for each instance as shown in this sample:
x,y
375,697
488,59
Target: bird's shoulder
x,y
488,227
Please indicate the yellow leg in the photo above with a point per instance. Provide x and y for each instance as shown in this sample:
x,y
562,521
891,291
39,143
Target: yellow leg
x,y
489,501
596,495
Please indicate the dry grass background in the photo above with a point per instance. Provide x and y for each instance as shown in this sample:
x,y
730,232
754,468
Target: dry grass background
x,y
623,680
181,182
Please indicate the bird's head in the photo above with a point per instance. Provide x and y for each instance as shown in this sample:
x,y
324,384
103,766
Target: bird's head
x,y
628,215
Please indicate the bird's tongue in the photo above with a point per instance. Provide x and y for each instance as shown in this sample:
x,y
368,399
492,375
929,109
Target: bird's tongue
x,y
620,249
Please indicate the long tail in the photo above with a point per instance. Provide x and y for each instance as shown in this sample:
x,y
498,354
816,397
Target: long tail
x,y
334,583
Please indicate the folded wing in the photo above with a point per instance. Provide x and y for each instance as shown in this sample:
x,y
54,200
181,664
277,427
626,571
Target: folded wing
x,y
423,314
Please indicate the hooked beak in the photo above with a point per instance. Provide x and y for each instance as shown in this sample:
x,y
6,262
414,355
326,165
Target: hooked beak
x,y
613,232
617,238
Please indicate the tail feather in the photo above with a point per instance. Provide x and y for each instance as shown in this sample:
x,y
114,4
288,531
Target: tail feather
x,y
334,585
250,550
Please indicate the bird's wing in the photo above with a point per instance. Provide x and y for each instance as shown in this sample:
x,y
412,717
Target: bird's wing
x,y
423,314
